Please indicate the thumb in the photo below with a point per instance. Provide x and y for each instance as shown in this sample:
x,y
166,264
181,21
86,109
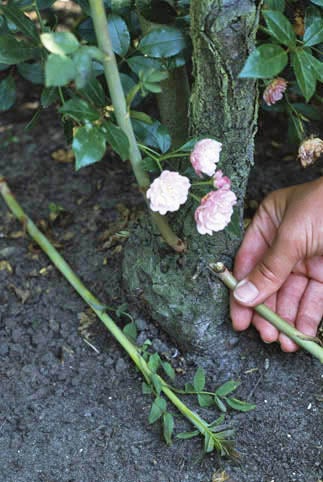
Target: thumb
x,y
269,274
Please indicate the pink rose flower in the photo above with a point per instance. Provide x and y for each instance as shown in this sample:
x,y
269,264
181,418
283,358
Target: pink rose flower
x,y
215,211
205,156
168,191
220,181
275,91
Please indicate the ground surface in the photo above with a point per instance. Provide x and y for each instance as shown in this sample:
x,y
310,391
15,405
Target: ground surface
x,y
69,413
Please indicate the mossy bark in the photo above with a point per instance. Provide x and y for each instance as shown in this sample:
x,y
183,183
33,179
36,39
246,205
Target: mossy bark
x,y
178,290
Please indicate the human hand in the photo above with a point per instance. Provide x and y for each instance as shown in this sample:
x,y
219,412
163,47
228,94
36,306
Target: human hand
x,y
280,263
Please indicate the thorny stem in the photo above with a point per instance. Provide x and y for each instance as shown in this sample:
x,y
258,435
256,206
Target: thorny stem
x,y
307,342
98,309
123,118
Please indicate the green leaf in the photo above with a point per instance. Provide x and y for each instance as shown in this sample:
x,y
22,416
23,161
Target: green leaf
x,y
295,129
217,422
117,139
226,388
176,61
317,67
205,400
83,67
240,405
43,4
59,70
13,52
7,93
4,30
265,62
153,75
275,5
199,379
308,111
139,63
169,370
119,33
32,72
220,403
146,389
311,13
94,92
187,435
208,443
88,146
318,2
154,135
157,409
189,387
168,427
155,379
154,362
86,31
314,33
280,27
149,165
305,76
48,96
189,145
150,79
150,87
129,85
60,43
130,330
22,22
79,110
163,42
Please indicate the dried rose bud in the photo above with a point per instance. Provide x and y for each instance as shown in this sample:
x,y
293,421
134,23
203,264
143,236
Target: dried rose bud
x,y
310,150
275,91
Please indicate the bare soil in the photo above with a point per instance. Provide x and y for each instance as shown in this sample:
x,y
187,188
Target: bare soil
x,y
71,412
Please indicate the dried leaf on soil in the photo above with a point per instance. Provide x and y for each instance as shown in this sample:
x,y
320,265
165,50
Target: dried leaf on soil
x,y
6,266
22,295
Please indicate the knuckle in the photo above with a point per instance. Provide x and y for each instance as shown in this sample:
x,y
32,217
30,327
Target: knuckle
x,y
268,274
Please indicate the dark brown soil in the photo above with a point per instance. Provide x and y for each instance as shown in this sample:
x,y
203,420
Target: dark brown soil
x,y
72,413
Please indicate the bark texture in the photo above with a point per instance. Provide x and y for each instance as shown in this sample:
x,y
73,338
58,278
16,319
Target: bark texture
x,y
178,290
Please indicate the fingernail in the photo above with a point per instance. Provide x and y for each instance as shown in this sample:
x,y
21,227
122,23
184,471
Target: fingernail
x,y
245,291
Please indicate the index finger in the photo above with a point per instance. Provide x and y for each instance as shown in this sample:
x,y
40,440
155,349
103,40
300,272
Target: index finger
x,y
258,238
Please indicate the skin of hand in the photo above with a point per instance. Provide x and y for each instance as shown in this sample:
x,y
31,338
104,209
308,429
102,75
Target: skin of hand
x,y
280,263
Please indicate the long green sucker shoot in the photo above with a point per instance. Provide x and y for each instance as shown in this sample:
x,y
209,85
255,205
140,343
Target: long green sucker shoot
x,y
216,435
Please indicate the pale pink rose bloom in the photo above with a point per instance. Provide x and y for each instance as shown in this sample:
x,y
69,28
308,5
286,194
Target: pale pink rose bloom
x,y
205,156
220,181
215,211
168,191
275,91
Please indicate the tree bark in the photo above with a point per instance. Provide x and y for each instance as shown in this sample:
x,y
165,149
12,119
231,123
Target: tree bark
x,y
178,290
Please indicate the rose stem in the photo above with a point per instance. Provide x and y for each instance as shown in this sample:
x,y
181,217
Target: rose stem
x,y
122,115
98,308
308,343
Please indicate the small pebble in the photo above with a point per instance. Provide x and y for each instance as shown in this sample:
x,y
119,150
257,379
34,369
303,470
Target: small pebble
x,y
141,324
121,365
